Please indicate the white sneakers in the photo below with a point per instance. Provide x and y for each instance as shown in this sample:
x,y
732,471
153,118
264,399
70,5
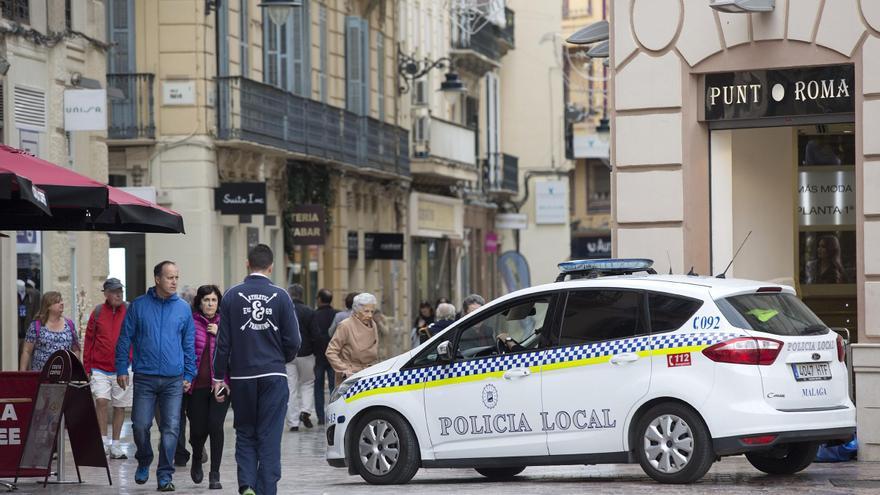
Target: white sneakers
x,y
117,452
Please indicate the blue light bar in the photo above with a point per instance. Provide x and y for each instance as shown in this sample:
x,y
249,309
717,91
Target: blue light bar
x,y
622,265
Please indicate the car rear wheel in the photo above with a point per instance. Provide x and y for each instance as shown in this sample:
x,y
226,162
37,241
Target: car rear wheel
x,y
673,444
500,474
785,459
385,450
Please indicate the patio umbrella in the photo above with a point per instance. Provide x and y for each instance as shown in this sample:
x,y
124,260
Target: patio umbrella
x,y
20,193
64,188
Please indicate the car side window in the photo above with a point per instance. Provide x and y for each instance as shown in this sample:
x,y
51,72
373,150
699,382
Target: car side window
x,y
601,314
669,312
429,355
520,326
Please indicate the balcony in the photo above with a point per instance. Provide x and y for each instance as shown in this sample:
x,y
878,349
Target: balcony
x,y
443,152
482,51
131,116
502,174
258,113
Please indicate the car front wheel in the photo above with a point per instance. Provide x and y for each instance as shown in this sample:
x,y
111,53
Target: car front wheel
x,y
385,450
672,444
500,474
785,459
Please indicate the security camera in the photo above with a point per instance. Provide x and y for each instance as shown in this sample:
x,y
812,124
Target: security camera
x,y
742,6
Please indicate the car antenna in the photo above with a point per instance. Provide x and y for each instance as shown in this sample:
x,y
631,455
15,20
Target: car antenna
x,y
670,261
722,274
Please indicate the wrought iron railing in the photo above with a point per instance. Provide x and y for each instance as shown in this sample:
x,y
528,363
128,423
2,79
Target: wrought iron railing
x,y
490,41
132,112
502,173
252,111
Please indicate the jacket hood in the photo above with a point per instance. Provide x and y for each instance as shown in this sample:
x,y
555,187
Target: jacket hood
x,y
152,293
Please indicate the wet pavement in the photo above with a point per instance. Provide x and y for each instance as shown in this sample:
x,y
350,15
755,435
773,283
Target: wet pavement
x,y
305,471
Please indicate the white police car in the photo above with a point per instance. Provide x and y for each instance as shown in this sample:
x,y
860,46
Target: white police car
x,y
672,372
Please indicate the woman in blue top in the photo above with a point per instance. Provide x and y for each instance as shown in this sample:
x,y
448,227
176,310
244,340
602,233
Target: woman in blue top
x,y
48,333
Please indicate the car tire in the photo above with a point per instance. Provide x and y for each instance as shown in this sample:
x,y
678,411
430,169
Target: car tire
x,y
384,448
791,459
502,473
672,444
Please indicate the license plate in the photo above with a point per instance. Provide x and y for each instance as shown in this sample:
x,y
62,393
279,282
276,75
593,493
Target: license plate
x,y
807,372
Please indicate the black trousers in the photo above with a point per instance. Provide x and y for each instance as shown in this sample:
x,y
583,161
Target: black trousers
x,y
206,418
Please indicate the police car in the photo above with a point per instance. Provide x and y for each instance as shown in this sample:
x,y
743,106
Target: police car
x,y
611,364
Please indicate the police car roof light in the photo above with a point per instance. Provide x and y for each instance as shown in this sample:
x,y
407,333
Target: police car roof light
x,y
603,267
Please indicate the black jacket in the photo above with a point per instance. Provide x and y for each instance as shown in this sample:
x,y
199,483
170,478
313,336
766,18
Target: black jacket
x,y
304,316
258,333
321,330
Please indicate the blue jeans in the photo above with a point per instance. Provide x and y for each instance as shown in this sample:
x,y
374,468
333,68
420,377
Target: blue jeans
x,y
260,406
149,390
322,368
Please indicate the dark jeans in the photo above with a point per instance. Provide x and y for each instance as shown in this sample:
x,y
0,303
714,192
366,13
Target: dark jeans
x,y
167,392
259,405
206,418
322,369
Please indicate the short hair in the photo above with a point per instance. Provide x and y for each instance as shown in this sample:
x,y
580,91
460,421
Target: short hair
x,y
362,300
472,299
260,257
160,267
202,292
296,291
349,299
445,311
325,296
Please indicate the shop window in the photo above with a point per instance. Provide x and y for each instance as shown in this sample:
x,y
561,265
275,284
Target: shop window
x,y
599,315
598,188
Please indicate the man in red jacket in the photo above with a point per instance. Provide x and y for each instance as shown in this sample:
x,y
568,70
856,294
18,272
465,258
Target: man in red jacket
x,y
99,354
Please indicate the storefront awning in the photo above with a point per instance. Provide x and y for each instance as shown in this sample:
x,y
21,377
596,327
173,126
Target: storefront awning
x,y
598,31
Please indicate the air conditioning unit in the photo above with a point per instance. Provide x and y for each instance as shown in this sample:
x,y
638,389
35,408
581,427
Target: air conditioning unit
x,y
742,6
421,137
420,92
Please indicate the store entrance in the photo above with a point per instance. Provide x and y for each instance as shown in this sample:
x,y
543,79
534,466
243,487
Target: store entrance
x,y
793,188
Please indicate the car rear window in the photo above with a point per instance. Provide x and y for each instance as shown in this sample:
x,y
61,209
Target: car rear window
x,y
670,312
775,313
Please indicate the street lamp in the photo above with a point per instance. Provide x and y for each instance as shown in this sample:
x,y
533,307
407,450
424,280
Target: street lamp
x,y
410,69
279,9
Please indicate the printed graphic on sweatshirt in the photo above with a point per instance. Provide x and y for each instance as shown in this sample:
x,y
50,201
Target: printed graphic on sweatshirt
x,y
258,312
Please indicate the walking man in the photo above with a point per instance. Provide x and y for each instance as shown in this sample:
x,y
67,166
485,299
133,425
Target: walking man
x,y
99,360
321,325
258,336
158,331
301,372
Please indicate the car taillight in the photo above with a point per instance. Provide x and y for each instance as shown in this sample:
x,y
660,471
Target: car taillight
x,y
745,350
841,351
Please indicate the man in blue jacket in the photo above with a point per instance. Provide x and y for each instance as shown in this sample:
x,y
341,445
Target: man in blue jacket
x,y
159,330
258,336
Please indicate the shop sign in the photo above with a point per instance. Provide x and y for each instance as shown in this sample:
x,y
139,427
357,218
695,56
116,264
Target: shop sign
x,y
512,221
491,243
85,109
758,94
241,198
307,225
352,244
827,197
591,247
551,202
379,246
28,241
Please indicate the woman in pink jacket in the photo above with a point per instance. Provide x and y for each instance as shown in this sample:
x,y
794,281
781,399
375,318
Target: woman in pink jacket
x,y
206,415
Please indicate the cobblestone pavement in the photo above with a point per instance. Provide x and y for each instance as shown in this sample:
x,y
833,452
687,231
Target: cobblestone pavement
x,y
305,471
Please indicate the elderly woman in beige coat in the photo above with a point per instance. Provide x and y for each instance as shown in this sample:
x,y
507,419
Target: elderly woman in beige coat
x,y
355,345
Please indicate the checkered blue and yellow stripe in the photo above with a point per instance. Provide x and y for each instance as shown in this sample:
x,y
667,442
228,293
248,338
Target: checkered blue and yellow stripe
x,y
538,361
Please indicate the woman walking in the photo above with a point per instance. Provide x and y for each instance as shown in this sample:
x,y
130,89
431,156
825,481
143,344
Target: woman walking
x,y
355,345
48,333
206,415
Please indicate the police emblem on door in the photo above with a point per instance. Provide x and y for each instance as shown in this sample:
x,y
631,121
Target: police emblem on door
x,y
490,396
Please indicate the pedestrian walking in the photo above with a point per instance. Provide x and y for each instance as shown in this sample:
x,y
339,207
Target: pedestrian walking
x,y
48,333
28,307
445,317
421,323
99,360
470,304
321,322
258,335
158,332
301,372
181,455
355,345
349,300
206,415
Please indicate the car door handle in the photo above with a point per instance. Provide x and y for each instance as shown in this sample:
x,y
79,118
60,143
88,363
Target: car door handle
x,y
626,357
516,373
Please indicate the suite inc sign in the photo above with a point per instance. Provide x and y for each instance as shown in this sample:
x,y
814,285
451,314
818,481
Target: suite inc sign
x,y
757,94
241,198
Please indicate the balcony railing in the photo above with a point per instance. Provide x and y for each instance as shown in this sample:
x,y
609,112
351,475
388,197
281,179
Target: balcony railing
x,y
131,115
502,173
450,141
253,111
490,41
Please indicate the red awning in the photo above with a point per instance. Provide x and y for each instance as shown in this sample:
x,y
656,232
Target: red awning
x,y
64,188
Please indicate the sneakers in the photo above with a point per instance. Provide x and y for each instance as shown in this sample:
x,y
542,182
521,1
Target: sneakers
x,y
305,418
294,428
246,490
142,475
117,452
167,487
214,481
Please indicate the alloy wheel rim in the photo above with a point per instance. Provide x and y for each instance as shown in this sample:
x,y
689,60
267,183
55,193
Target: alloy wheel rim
x,y
379,447
668,443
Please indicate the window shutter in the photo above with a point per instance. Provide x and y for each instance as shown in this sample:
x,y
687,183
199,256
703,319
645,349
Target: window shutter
x,y
244,37
380,66
353,73
30,108
120,24
324,50
299,53
365,67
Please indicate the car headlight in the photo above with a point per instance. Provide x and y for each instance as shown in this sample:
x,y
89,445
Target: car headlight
x,y
341,389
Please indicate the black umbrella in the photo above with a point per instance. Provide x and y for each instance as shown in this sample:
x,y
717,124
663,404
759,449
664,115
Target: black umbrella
x,y
17,192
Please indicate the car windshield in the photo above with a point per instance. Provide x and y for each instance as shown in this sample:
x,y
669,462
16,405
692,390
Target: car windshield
x,y
775,313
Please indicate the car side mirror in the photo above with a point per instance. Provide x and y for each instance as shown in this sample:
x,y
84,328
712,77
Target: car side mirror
x,y
444,350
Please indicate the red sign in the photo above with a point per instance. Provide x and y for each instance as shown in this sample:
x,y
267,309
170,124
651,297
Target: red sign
x,y
676,360
491,244
16,405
